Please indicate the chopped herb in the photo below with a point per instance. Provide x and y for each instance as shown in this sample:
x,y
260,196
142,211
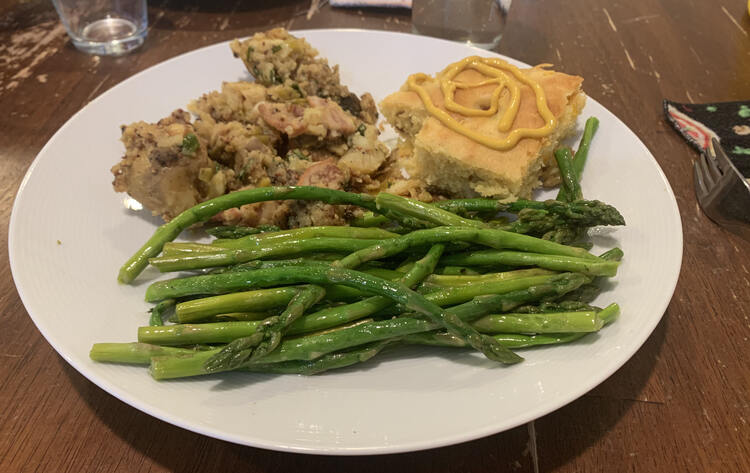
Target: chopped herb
x,y
361,129
247,55
273,78
297,153
190,144
242,172
217,167
299,91
276,48
256,72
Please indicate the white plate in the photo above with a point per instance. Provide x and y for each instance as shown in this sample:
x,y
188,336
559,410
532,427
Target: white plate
x,y
69,233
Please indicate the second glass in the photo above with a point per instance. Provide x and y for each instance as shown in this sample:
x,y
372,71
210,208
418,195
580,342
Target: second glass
x,y
476,22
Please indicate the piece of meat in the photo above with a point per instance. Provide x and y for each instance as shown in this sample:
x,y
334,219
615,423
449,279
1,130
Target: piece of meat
x,y
165,166
366,154
331,116
369,111
252,215
285,117
322,118
323,174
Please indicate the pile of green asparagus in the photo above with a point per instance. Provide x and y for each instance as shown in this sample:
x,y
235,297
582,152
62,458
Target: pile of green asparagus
x,y
473,273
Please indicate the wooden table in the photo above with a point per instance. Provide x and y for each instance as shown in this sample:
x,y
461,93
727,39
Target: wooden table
x,y
682,403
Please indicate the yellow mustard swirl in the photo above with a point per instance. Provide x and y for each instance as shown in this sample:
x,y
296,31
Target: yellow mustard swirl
x,y
497,72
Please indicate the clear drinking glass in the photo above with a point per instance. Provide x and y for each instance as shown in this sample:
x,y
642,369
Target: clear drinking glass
x,y
105,27
476,22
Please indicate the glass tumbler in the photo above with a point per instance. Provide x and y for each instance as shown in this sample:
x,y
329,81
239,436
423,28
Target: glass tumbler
x,y
104,27
476,22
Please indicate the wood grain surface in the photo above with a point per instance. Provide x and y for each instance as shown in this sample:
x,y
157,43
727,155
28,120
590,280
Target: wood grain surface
x,y
682,403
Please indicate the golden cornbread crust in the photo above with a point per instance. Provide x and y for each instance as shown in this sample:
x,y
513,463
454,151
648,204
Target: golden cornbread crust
x,y
458,166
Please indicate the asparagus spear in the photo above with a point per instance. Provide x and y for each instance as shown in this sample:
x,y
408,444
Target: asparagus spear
x,y
579,160
228,256
559,322
463,271
259,301
568,178
334,316
241,316
609,314
141,353
258,264
513,340
159,310
205,210
326,362
305,233
256,301
498,239
554,220
231,231
189,334
587,213
556,306
185,248
589,130
598,267
510,340
584,294
447,280
136,353
432,214
448,296
615,254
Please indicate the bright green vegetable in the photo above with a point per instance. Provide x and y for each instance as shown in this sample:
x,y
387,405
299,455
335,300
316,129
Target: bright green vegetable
x,y
205,210
410,300
268,335
559,322
270,249
314,346
590,267
568,178
136,353
579,159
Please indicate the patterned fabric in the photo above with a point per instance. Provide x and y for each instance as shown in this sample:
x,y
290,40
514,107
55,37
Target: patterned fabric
x,y
729,122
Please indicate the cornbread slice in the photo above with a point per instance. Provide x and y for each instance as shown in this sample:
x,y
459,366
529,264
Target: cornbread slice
x,y
460,167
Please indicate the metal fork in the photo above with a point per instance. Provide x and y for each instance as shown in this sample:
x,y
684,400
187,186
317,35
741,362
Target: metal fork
x,y
722,192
